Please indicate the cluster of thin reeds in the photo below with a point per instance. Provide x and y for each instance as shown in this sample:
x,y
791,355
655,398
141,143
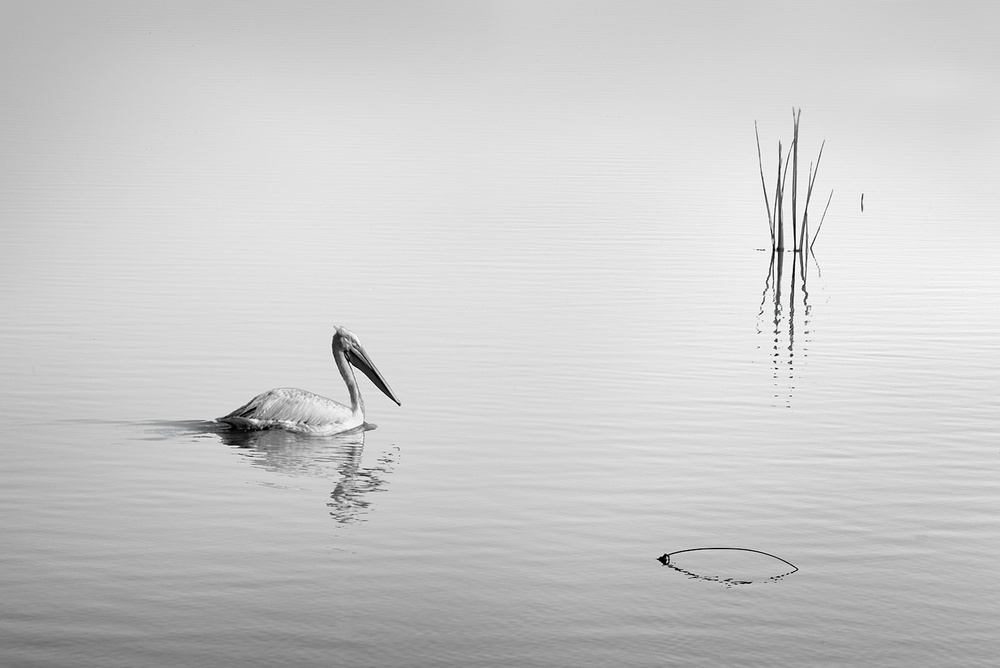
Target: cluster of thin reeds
x,y
775,214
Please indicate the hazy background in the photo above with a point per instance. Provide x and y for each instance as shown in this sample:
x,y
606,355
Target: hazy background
x,y
545,222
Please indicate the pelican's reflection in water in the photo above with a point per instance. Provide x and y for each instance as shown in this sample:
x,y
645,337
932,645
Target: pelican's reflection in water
x,y
336,458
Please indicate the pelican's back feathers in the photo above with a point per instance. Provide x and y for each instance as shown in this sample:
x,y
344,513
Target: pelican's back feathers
x,y
293,409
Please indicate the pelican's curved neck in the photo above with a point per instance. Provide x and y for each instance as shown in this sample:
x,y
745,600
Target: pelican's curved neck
x,y
357,403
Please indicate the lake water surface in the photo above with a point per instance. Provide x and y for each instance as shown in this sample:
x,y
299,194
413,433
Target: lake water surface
x,y
545,224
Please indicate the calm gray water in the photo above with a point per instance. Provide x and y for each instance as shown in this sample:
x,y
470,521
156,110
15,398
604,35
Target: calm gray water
x,y
545,223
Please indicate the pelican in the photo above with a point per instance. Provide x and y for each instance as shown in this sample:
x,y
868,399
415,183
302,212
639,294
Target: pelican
x,y
307,413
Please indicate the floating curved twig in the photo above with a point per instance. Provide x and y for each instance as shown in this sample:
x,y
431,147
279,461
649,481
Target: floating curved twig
x,y
665,560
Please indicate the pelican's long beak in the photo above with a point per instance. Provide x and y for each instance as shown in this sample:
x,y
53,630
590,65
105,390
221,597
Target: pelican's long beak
x,y
359,358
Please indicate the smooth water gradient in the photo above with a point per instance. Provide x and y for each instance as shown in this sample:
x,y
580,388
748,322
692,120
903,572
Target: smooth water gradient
x,y
545,223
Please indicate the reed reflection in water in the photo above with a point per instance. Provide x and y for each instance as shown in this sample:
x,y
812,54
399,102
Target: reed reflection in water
x,y
783,309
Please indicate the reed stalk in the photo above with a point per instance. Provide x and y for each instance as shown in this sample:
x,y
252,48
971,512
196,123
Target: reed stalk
x,y
809,190
763,185
779,189
795,177
775,214
782,181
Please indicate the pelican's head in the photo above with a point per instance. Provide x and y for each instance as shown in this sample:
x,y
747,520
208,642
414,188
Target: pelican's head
x,y
347,342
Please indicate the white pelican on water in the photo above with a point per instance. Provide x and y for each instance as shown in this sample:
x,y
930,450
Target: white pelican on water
x,y
308,413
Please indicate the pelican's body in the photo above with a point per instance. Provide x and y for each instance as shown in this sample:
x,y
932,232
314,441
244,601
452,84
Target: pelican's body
x,y
309,413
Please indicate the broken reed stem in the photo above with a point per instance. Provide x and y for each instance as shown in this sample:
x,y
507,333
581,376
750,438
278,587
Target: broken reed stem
x,y
821,219
804,233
